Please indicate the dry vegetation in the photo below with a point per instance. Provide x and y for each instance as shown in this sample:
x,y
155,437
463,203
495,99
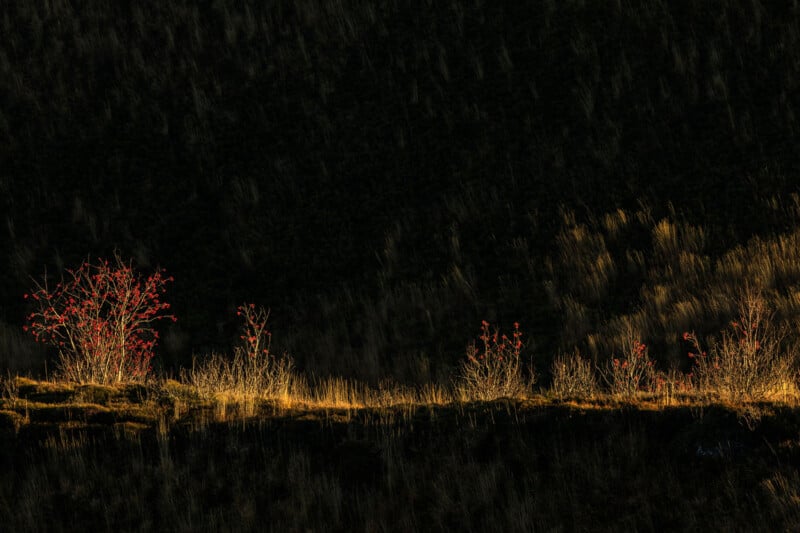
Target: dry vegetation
x,y
705,421
248,442
163,456
247,439
620,179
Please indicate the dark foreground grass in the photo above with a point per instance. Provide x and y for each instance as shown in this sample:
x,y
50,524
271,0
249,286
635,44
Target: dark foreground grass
x,y
157,461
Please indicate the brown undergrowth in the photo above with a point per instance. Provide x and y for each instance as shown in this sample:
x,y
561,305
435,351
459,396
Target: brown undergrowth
x,y
161,456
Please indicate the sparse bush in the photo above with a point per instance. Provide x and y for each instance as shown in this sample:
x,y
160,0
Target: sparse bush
x,y
101,321
254,371
753,361
573,377
629,375
495,370
669,385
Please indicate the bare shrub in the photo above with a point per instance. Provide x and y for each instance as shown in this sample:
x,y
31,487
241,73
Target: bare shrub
x,y
631,374
253,371
495,371
672,385
753,361
264,377
573,377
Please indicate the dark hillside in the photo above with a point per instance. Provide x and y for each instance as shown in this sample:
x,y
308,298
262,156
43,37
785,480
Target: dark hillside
x,y
385,176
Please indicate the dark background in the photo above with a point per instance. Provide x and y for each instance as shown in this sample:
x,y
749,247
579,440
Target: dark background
x,y
384,176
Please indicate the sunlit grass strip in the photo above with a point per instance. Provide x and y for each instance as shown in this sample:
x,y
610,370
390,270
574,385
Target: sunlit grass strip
x,y
342,393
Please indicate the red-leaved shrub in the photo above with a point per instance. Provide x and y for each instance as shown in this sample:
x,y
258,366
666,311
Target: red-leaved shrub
x,y
101,319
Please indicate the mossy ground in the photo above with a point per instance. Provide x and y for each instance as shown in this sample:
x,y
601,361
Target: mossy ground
x,y
167,460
